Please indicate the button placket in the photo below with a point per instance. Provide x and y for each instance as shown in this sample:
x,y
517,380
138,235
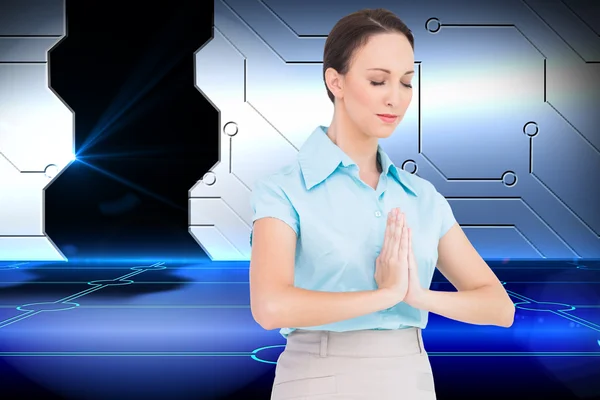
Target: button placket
x,y
379,202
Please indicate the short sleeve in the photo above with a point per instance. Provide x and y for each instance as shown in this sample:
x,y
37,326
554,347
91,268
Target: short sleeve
x,y
268,199
445,214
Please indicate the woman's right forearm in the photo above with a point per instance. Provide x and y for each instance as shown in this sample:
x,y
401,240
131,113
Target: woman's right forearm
x,y
296,307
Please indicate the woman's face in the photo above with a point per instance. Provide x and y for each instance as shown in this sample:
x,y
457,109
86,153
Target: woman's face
x,y
379,82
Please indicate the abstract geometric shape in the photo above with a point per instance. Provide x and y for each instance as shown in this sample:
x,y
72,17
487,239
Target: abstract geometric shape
x,y
230,129
260,44
48,306
51,171
433,25
252,146
544,306
209,178
509,178
263,357
410,166
36,130
531,129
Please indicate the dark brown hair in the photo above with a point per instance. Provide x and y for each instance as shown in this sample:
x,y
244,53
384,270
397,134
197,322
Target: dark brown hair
x,y
352,32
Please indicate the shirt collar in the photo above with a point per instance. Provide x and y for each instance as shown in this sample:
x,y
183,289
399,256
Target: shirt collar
x,y
319,157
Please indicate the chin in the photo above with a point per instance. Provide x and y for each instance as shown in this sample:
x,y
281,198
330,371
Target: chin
x,y
383,132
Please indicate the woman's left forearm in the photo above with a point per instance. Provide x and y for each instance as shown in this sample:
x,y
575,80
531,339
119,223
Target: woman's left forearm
x,y
487,305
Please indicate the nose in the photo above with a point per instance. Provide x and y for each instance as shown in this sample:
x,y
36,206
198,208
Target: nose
x,y
394,97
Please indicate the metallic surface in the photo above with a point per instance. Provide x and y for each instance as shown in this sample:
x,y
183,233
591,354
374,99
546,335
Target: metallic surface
x,y
502,120
36,127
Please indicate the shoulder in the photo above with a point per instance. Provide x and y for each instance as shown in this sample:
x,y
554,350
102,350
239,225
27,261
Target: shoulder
x,y
431,201
422,187
285,181
272,194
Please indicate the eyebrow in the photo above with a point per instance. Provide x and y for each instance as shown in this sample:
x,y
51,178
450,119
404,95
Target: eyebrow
x,y
389,72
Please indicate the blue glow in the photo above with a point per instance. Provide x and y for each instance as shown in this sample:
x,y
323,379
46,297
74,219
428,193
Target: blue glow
x,y
131,184
146,314
255,352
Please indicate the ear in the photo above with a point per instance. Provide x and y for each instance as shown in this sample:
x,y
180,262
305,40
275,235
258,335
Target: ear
x,y
335,83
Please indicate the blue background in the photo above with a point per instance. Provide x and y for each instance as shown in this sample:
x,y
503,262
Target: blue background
x,y
154,299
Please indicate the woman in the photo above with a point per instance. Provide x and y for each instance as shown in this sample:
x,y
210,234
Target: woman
x,y
344,243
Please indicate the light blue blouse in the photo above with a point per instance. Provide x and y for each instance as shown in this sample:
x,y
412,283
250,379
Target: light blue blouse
x,y
340,223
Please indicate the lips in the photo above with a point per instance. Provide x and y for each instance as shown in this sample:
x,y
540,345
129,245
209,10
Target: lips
x,y
387,118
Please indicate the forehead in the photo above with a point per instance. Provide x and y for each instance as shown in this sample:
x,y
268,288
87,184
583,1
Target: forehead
x,y
388,50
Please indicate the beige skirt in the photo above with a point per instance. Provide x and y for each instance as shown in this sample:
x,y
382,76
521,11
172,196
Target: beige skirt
x,y
366,364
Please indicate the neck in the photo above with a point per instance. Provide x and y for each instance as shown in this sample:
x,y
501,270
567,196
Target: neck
x,y
359,146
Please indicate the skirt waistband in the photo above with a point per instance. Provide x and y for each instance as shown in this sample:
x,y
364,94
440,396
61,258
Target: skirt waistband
x,y
360,343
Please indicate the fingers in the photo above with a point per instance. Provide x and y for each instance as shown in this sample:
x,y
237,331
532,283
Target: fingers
x,y
387,238
395,245
404,244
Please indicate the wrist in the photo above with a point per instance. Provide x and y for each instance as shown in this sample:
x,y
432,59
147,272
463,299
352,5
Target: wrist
x,y
419,299
390,297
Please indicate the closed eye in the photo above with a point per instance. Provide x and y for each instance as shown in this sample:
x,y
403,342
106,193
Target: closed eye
x,y
374,83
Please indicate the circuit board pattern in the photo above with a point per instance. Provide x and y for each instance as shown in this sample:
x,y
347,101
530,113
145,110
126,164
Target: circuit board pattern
x,y
226,287
199,311
36,127
501,93
492,115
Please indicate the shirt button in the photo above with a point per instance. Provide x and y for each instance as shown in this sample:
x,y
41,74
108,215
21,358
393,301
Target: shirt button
x,y
378,214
